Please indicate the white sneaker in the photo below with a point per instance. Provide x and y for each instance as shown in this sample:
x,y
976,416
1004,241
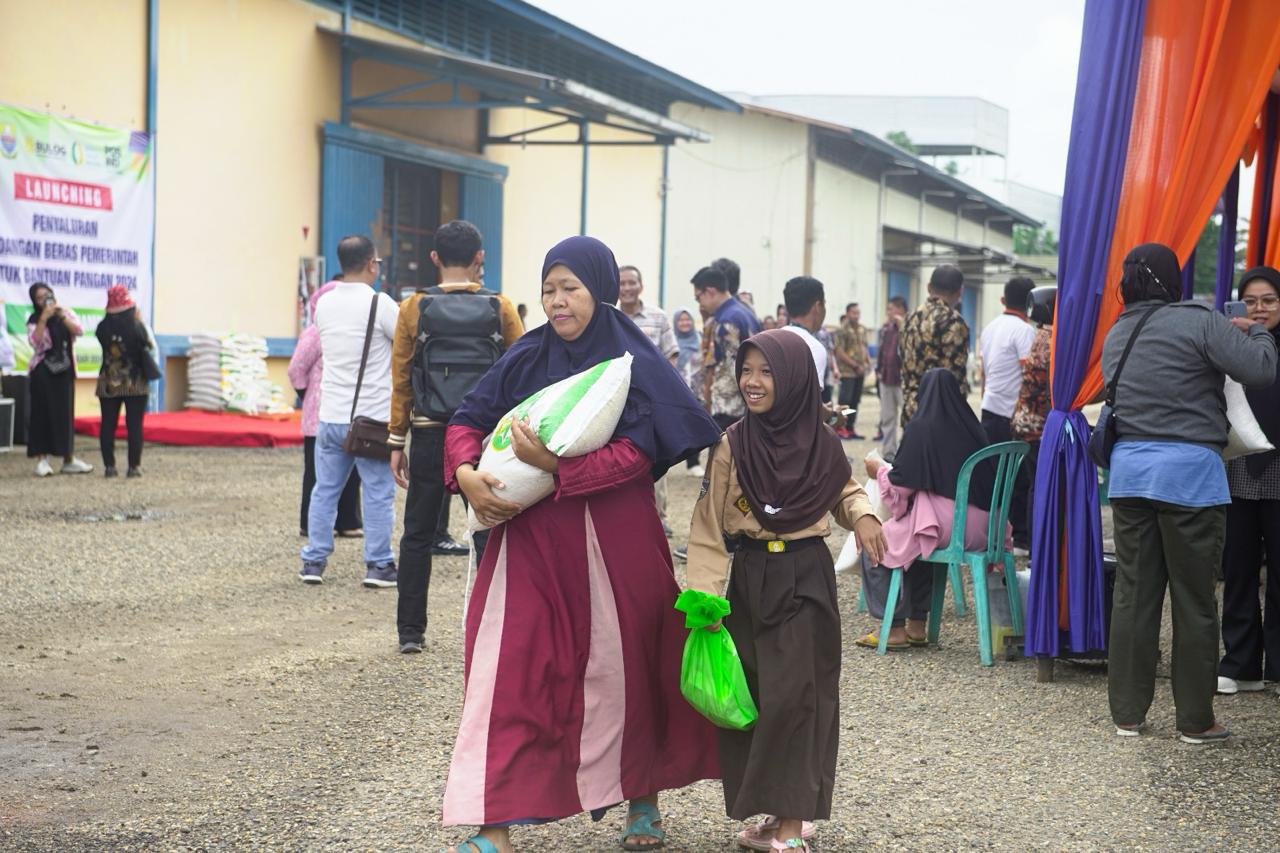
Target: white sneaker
x,y
697,471
43,468
1230,686
76,466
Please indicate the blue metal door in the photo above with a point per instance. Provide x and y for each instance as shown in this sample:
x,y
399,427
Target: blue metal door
x,y
481,205
351,198
900,285
969,309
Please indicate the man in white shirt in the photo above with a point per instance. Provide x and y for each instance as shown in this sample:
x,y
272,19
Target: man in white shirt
x,y
807,308
342,319
1005,342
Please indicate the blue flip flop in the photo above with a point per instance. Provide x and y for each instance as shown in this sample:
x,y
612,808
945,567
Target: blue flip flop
x,y
641,818
479,842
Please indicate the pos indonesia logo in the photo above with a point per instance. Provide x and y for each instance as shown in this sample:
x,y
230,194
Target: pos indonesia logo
x,y
8,143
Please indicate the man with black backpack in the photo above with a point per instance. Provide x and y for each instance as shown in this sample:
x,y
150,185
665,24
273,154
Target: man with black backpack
x,y
446,338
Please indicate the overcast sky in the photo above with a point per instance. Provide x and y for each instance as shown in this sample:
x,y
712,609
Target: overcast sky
x,y
1020,54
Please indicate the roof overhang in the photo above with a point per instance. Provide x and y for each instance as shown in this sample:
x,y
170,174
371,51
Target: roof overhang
x,y
877,157
500,86
911,248
681,87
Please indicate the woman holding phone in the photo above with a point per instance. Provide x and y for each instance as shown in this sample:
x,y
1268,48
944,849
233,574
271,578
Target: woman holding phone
x,y
52,331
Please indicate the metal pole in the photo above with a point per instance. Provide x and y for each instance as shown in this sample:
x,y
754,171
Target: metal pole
x,y
155,402
584,142
344,114
662,230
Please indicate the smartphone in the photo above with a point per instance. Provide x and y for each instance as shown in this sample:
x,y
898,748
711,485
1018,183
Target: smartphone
x,y
1235,309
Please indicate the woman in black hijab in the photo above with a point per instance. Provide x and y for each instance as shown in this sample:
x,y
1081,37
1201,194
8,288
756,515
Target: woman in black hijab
x,y
1250,634
1168,485
52,330
919,490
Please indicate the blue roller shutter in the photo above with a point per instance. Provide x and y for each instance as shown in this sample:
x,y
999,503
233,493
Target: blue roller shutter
x,y
481,204
351,197
969,309
900,285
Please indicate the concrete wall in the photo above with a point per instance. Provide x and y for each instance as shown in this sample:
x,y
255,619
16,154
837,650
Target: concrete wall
x,y
542,201
844,239
741,196
243,89
106,83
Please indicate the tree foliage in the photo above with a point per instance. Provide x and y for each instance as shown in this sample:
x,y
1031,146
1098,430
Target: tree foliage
x,y
902,140
1206,275
1034,241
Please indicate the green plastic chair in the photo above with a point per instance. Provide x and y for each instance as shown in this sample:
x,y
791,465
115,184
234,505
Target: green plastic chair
x,y
947,561
957,592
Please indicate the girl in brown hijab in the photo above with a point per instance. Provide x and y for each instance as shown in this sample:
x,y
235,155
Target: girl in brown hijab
x,y
770,484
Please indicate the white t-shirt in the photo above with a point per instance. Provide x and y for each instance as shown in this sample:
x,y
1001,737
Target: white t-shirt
x,y
341,318
1005,342
815,346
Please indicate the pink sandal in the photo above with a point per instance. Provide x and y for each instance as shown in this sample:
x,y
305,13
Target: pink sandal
x,y
760,836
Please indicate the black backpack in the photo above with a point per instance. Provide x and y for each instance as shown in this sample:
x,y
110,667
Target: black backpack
x,y
459,338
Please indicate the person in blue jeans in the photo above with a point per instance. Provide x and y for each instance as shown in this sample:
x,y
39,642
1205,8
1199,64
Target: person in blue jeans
x,y
343,320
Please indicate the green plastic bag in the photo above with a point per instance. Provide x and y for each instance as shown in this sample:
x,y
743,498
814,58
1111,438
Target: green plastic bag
x,y
711,676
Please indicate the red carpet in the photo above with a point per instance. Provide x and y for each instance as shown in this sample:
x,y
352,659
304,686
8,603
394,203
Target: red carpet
x,y
196,428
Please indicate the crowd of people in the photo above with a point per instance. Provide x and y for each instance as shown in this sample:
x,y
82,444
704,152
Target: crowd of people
x,y
770,401
572,699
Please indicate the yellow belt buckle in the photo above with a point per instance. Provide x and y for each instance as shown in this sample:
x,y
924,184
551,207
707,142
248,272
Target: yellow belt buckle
x,y
777,546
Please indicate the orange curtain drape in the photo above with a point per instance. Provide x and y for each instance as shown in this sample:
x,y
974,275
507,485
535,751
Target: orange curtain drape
x,y
1205,69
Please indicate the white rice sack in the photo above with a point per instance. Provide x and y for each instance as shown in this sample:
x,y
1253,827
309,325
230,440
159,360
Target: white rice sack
x,y
850,555
1244,437
573,417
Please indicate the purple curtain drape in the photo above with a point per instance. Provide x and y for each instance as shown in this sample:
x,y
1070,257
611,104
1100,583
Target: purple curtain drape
x,y
1066,492
1227,239
1189,276
1266,173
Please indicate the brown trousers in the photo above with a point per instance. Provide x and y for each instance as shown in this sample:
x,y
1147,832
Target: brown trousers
x,y
786,626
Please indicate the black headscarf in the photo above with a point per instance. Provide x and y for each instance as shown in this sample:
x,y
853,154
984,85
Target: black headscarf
x,y
59,334
1265,402
125,326
1151,271
941,435
791,466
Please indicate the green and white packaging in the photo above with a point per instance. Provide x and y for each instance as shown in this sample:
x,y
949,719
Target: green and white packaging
x,y
573,417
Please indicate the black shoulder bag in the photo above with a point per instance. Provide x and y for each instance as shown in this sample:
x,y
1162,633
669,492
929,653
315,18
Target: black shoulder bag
x,y
1103,436
366,437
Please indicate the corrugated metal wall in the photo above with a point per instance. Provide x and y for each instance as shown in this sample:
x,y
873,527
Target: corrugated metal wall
x,y
351,203
481,205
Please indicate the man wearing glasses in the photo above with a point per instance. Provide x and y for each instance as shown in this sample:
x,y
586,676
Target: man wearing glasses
x,y
342,318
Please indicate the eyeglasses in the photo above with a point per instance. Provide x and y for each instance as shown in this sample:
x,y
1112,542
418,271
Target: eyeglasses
x,y
1268,303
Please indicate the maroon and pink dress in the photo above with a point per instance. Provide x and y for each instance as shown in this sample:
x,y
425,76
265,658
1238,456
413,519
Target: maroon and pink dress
x,y
573,652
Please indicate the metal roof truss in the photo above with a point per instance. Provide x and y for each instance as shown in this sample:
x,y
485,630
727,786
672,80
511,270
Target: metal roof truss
x,y
571,103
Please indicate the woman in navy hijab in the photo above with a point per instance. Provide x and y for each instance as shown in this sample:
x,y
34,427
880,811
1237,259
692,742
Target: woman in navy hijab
x,y
573,648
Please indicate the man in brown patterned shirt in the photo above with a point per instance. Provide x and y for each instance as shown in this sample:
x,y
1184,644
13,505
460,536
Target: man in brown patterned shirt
x,y
935,335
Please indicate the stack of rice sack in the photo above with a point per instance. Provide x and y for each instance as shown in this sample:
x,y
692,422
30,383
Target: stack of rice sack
x,y
228,373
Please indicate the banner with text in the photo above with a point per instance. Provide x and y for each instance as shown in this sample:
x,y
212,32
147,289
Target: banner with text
x,y
76,212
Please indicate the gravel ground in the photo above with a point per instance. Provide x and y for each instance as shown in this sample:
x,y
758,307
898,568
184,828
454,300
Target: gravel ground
x,y
168,684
